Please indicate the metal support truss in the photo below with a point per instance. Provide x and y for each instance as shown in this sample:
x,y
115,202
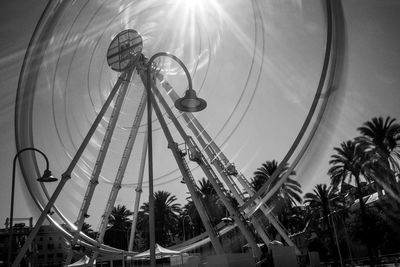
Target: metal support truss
x,y
94,180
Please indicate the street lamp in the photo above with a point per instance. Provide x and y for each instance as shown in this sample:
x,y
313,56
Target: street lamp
x,y
189,103
46,177
183,225
334,229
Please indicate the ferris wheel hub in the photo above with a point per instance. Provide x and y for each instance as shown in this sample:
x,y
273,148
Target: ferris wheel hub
x,y
124,49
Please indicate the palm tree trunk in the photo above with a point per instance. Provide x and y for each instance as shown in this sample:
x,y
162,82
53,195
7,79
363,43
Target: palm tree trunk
x,y
364,217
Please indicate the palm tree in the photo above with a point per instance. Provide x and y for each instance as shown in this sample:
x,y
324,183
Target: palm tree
x,y
117,234
285,198
167,216
208,196
290,190
87,229
215,209
383,139
206,188
346,164
322,201
120,217
190,209
380,142
295,219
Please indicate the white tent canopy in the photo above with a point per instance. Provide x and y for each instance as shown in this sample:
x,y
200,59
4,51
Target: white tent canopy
x,y
84,261
161,252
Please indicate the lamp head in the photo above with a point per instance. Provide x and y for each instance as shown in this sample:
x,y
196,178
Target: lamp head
x,y
190,102
47,177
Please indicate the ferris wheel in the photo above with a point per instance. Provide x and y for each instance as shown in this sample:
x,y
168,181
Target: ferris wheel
x,y
117,136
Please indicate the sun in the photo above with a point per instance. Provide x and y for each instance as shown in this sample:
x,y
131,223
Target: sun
x,y
192,28
199,10
192,3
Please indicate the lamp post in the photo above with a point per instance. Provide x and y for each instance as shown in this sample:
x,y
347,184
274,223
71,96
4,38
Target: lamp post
x,y
189,103
334,231
46,177
183,225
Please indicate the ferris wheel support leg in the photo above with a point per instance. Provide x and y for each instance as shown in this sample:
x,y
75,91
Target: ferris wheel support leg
x,y
200,208
190,119
228,182
232,188
67,174
269,216
204,165
279,228
193,124
99,163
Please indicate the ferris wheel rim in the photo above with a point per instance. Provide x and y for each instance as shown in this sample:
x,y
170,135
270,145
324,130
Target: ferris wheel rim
x,y
19,143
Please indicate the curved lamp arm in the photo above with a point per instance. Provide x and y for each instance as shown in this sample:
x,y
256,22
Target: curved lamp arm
x,y
31,149
189,102
166,54
47,172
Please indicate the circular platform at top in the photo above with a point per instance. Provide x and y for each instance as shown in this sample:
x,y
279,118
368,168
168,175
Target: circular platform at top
x,y
124,49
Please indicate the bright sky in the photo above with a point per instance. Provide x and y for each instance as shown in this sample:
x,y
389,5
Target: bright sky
x,y
257,63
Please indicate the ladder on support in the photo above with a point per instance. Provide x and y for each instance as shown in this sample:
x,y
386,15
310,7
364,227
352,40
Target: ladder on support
x,y
189,173
138,191
224,196
226,172
238,195
193,182
265,209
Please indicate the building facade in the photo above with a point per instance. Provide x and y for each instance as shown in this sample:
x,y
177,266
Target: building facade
x,y
49,248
